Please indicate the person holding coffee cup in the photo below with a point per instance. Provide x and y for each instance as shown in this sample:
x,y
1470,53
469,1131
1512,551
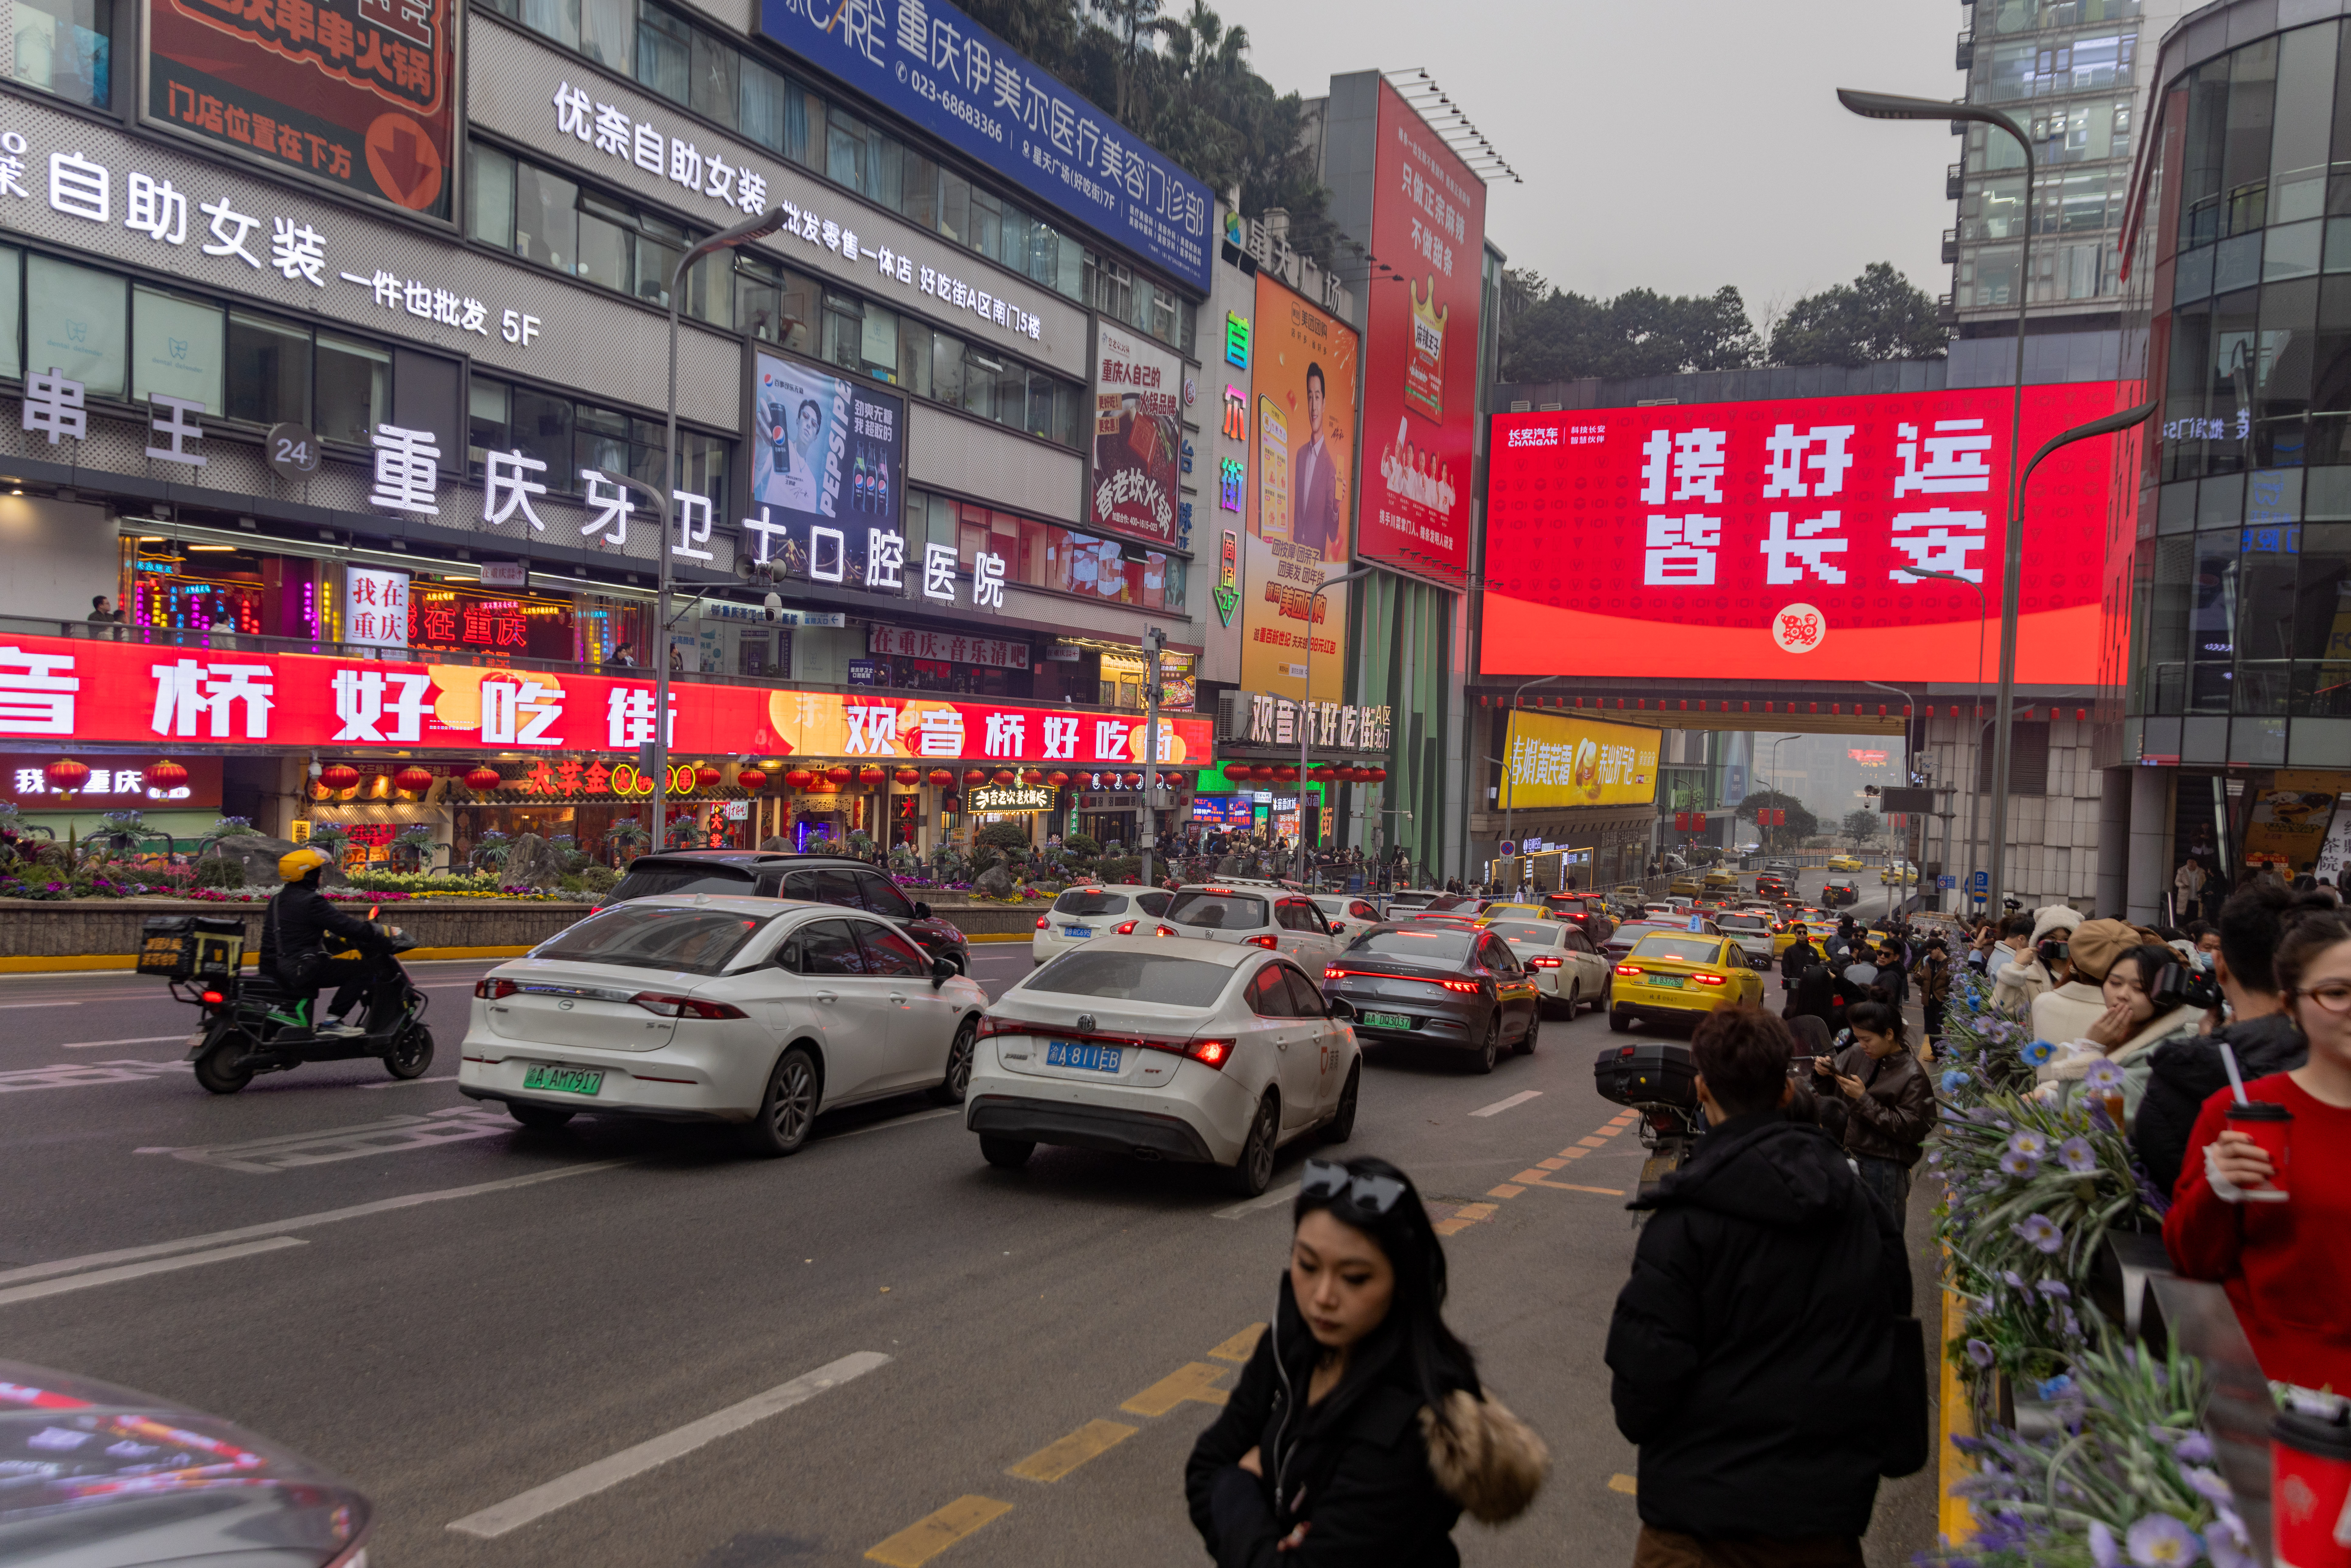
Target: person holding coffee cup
x,y
2263,1204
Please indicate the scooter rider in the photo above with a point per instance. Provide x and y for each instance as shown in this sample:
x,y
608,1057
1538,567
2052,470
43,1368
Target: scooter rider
x,y
293,947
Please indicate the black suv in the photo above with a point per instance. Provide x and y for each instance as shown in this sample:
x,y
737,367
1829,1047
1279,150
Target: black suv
x,y
819,879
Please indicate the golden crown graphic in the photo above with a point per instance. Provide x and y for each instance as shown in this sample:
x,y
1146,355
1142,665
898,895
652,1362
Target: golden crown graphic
x,y
1425,310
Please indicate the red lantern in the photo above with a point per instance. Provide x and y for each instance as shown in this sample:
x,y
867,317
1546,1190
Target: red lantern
x,y
1248,773
750,779
974,776
942,777
1032,775
1323,775
909,777
1286,774
840,774
1057,779
339,776
413,778
871,775
823,784
1379,775
65,775
799,778
170,775
1004,775
479,780
708,777
1133,780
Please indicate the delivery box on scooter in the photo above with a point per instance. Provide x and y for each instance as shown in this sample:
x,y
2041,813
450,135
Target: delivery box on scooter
x,y
192,947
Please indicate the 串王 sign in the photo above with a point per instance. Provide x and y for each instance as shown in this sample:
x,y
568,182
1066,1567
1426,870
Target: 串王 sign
x,y
929,62
1002,799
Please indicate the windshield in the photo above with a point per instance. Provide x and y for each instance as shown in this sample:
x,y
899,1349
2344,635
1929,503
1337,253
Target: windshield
x,y
1157,978
1422,944
1741,923
1090,901
1688,949
652,881
654,936
1536,933
1216,911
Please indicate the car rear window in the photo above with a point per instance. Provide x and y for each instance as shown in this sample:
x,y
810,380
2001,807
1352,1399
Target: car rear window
x,y
654,936
652,881
1688,949
1158,979
1090,901
1422,944
1741,923
1216,911
1539,932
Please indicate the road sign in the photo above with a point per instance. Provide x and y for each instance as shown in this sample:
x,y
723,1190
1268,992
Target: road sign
x,y
1983,882
1947,882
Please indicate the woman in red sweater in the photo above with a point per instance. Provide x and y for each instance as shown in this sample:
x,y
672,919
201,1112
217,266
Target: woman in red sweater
x,y
2286,1265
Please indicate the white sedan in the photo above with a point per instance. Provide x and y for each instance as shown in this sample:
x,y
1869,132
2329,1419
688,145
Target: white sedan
x,y
756,1012
1351,912
1569,971
1167,1049
1083,913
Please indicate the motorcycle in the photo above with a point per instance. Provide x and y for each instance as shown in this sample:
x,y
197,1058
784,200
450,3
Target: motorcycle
x,y
1659,1079
240,1036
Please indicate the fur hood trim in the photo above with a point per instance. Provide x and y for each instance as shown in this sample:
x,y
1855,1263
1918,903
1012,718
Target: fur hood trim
x,y
1485,1459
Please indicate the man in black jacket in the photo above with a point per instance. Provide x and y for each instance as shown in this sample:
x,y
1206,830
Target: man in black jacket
x,y
1801,954
1753,1345
2184,1074
293,943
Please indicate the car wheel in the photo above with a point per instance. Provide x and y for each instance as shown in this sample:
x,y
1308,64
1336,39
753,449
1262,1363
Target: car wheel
x,y
1619,1020
538,1118
788,1109
1526,1041
1006,1154
1341,1125
949,1091
1252,1173
1491,1049
1574,998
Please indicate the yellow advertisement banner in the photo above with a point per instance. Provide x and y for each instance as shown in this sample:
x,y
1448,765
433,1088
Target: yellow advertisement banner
x,y
1552,759
1300,419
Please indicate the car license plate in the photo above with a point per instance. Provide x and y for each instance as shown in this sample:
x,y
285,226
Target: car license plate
x,y
1077,930
1671,982
1092,1058
563,1079
1386,1020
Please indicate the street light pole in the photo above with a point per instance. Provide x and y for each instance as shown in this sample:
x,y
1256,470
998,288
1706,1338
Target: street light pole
x,y
1975,796
749,229
1154,640
1775,763
1510,785
1306,706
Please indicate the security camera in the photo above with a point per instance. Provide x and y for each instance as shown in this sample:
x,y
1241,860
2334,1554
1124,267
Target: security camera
x,y
774,606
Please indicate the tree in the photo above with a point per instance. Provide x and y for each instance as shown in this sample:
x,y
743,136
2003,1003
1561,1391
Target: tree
x,y
1860,826
1879,315
1801,823
1549,335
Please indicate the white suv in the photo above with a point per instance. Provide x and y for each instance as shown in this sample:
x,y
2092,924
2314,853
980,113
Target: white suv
x,y
1263,914
1081,913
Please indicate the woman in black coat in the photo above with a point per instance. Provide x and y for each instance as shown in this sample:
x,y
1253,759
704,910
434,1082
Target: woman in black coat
x,y
1359,1431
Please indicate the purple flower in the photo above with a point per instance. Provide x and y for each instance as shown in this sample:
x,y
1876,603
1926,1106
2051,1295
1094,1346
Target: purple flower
x,y
2102,1551
2028,1142
1980,1352
2015,1281
2076,1155
2053,1288
2195,1448
2021,1166
2207,1483
2041,1231
2104,1077
2159,1541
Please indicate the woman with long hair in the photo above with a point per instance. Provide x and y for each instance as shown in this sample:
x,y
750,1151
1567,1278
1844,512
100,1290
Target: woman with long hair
x,y
1359,1431
1889,1106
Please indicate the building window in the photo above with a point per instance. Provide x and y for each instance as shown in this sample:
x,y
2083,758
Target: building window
x,y
1047,556
541,216
354,389
568,435
63,47
77,323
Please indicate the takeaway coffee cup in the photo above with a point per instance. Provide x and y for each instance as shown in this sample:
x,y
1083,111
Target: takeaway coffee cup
x,y
2271,1125
2310,1490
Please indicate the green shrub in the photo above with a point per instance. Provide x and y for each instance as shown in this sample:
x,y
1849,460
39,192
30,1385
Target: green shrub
x,y
1125,868
1082,845
1010,837
219,871
598,878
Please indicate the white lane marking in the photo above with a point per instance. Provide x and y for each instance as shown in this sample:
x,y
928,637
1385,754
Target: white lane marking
x,y
58,1287
1269,1200
589,1479
1499,1106
299,1222
900,1121
404,1082
143,1040
267,1156
77,1074
18,1007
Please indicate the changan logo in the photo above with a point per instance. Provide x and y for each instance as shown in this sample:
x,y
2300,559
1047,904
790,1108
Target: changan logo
x,y
1547,436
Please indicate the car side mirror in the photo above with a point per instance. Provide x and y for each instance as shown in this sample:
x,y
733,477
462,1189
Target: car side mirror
x,y
942,970
1336,929
922,911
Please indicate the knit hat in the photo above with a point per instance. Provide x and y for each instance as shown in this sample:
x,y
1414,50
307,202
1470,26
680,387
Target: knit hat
x,y
2095,945
2054,918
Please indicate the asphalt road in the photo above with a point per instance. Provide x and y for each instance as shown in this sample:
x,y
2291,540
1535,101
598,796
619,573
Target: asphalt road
x,y
518,1332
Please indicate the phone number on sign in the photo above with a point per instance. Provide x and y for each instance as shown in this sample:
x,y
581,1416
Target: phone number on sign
x,y
971,114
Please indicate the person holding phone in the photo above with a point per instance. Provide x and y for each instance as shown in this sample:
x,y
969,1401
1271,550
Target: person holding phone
x,y
1889,1105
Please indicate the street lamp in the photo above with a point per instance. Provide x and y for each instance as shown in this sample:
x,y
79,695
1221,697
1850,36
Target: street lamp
x,y
1510,785
1775,764
1975,796
1306,705
749,229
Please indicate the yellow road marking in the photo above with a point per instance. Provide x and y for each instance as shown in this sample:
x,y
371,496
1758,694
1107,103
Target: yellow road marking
x,y
1593,1143
926,1538
1194,1381
1505,1190
1551,1164
1473,1211
1625,1484
1241,1345
1570,1187
1054,1460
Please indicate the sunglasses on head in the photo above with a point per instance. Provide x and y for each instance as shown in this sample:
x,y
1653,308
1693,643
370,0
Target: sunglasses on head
x,y
1373,1193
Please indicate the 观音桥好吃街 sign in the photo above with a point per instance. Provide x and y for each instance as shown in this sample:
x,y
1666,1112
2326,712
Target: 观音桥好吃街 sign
x,y
1255,718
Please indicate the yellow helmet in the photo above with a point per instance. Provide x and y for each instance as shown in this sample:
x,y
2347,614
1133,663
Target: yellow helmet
x,y
295,864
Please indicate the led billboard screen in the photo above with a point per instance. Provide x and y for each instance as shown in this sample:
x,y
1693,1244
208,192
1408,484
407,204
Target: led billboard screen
x,y
1302,412
1552,759
1420,381
1767,540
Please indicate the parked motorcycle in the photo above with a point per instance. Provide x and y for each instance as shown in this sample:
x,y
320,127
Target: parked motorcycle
x,y
242,1033
1658,1079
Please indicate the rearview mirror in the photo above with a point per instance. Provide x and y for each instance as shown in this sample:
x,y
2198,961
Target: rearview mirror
x,y
922,911
1337,930
942,970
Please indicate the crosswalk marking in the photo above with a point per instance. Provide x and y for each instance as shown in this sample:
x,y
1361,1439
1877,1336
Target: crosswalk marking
x,y
80,1074
267,1156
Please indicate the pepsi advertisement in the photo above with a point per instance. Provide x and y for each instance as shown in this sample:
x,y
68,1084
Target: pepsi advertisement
x,y
827,478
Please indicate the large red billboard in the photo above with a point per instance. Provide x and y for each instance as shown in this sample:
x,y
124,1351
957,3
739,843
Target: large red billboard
x,y
1768,541
63,692
1420,375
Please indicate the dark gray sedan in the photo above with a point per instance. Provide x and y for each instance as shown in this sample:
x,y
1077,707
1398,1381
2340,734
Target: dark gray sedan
x,y
91,1474
1432,983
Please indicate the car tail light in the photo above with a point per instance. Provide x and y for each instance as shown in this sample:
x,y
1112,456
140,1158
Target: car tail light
x,y
1267,942
214,999
1207,1053
491,990
1336,974
1540,962
1041,923
1466,987
1628,968
1166,931
1220,892
670,1006
1707,979
1125,928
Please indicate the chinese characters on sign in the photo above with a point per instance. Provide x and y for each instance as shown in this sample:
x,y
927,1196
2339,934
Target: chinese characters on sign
x,y
1257,719
1138,442
375,607
1551,759
905,643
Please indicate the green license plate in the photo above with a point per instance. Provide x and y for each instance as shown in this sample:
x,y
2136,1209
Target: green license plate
x,y
1386,1020
563,1079
1672,982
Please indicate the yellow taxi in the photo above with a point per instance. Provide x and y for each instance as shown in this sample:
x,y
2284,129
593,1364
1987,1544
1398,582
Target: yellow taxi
x,y
1686,884
1721,879
1844,863
1795,931
1500,910
1898,871
1678,976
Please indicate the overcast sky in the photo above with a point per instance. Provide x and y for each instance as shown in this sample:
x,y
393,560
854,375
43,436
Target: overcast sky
x,y
1677,146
